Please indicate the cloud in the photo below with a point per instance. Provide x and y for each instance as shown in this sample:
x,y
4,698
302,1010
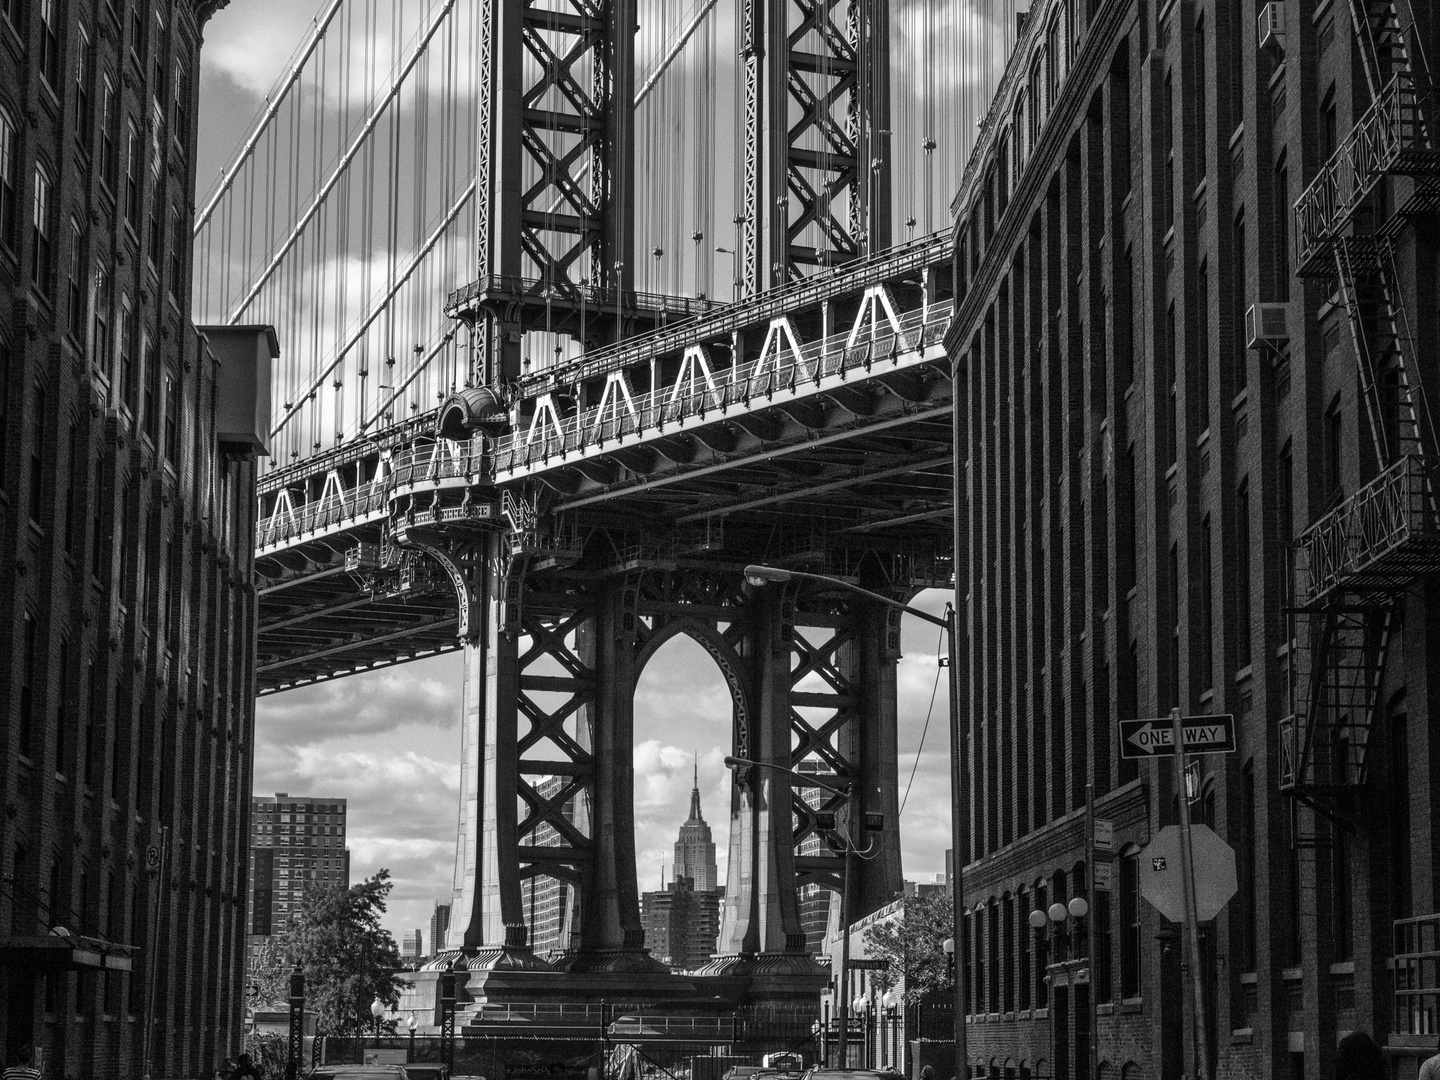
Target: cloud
x,y
345,708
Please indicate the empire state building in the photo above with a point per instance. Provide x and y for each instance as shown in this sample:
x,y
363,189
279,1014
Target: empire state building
x,y
694,849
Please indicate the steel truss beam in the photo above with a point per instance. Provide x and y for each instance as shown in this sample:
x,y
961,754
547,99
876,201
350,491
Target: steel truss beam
x,y
816,158
557,99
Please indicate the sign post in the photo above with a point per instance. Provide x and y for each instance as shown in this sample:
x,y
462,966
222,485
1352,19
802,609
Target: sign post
x,y
1187,873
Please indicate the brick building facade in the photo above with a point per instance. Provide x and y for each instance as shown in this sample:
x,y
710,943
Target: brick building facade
x,y
127,611
1196,285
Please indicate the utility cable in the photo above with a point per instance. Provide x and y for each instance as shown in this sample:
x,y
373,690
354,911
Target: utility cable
x,y
934,691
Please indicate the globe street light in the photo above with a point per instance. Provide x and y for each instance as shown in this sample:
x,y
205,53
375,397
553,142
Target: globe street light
x,y
377,1010
759,576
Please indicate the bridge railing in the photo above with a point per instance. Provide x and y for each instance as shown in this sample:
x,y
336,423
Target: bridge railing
x,y
427,463
852,277
551,436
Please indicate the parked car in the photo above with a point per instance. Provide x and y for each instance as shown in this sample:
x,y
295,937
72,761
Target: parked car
x,y
821,1073
417,1071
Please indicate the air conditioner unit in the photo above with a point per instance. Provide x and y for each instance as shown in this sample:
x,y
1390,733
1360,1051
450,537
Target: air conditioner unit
x,y
1265,324
1272,25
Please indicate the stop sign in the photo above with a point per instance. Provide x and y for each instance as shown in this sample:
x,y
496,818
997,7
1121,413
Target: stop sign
x,y
1163,885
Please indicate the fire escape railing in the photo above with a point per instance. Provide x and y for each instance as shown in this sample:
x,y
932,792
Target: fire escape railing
x,y
1391,138
1363,541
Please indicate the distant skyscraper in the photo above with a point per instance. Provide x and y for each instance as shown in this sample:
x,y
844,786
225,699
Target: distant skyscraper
x,y
297,842
682,920
546,900
412,946
695,850
814,899
439,927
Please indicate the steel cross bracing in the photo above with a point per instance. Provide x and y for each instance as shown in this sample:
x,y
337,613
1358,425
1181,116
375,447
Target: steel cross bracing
x,y
816,135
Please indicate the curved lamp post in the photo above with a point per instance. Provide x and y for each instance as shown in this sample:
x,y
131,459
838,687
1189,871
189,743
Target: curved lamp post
x,y
759,575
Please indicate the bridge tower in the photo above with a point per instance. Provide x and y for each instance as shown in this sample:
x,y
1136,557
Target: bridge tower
x,y
561,612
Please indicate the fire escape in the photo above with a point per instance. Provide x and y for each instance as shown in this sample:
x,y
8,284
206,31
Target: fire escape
x,y
1355,562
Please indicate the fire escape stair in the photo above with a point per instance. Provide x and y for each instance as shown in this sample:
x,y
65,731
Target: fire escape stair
x,y
1356,561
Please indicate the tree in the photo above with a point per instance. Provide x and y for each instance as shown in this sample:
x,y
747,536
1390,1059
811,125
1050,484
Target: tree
x,y
267,975
348,958
914,943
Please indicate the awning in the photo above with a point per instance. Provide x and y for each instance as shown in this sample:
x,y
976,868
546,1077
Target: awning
x,y
67,952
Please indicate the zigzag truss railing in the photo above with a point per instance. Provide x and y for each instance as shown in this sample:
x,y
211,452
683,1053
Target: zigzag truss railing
x,y
551,435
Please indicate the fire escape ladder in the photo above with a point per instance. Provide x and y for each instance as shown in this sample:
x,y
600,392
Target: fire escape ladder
x,y
1414,422
1370,307
1340,656
1383,41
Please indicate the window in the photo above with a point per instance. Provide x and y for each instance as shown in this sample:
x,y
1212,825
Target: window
x,y
1104,944
1242,574
13,12
41,228
1172,425
29,676
84,62
1285,505
1167,106
175,273
1332,442
75,282
1202,344
180,86
101,345
1248,937
157,209
1282,229
4,402
1202,105
37,463
133,153
1022,960
125,369
1329,133
72,484
1173,593
1130,925
9,195
148,378
49,45
1207,605
1238,297
108,108
172,419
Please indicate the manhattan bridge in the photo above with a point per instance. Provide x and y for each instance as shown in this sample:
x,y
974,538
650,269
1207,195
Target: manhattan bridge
x,y
585,305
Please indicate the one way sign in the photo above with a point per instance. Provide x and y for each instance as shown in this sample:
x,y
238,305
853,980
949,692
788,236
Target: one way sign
x,y
1203,735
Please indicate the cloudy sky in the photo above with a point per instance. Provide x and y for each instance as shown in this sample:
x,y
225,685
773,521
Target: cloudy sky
x,y
388,742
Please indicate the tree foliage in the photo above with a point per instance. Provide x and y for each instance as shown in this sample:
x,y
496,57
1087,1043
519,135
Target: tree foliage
x,y
267,975
914,943
347,957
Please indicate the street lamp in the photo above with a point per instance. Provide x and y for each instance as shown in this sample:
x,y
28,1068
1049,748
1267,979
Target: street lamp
x,y
891,1003
759,576
412,1025
377,1010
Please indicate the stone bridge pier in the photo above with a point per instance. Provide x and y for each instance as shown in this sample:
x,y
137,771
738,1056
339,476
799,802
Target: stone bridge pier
x,y
557,629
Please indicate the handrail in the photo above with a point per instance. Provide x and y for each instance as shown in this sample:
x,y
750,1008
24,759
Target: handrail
x,y
1373,522
655,409
424,463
